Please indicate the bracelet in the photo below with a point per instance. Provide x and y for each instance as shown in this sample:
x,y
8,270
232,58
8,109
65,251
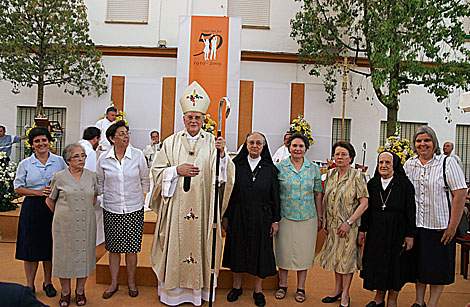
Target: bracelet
x,y
349,222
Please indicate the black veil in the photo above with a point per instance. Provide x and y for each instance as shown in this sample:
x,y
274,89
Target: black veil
x,y
398,169
265,153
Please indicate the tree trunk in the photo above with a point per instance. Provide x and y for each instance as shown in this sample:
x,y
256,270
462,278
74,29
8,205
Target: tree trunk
x,y
40,98
392,113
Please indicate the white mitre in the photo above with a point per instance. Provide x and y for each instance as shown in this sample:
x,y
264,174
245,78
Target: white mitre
x,y
194,99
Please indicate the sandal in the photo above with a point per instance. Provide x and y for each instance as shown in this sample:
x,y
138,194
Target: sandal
x,y
64,300
80,299
280,293
300,295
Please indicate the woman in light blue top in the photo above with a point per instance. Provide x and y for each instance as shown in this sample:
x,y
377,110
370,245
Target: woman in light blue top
x,y
301,212
34,241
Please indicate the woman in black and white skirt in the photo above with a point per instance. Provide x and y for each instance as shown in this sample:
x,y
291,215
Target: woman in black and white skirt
x,y
123,177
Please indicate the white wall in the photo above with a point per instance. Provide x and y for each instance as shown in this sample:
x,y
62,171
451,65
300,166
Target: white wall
x,y
163,24
142,94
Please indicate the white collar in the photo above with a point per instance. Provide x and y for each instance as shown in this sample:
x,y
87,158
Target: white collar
x,y
385,182
111,153
253,162
192,138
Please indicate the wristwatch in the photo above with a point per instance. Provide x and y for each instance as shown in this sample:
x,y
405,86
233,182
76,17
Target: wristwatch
x,y
350,223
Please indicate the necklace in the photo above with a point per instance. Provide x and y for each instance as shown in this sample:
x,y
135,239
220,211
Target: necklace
x,y
255,172
384,203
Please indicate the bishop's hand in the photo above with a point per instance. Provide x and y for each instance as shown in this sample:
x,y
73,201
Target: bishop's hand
x,y
187,170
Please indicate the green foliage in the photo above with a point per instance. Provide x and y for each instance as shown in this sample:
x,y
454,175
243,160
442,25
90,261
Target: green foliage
x,y
46,42
406,42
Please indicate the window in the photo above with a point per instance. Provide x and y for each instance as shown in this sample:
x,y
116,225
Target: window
x,y
462,147
127,11
25,119
336,130
407,130
254,13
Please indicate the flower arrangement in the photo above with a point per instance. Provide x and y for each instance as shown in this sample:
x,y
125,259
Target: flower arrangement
x,y
209,124
400,146
121,115
300,125
7,175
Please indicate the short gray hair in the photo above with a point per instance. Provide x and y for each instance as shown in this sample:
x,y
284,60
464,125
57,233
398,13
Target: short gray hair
x,y
67,153
429,131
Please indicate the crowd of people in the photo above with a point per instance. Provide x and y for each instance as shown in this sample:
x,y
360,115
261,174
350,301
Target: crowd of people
x,y
397,228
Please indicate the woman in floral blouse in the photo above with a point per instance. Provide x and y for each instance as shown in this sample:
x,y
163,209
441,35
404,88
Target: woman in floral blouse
x,y
346,199
301,211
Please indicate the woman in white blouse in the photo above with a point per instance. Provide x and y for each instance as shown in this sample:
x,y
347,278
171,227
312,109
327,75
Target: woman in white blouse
x,y
123,177
437,214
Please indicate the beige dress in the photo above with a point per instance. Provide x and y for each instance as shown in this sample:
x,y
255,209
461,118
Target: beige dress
x,y
74,224
342,255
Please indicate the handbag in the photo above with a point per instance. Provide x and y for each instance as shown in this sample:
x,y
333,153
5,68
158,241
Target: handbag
x,y
463,226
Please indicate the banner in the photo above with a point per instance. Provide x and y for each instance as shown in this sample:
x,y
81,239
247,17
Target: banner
x,y
209,53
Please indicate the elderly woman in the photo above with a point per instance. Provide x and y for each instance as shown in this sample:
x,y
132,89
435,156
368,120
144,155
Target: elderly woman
x,y
123,178
437,214
389,223
252,217
34,242
345,200
301,211
72,200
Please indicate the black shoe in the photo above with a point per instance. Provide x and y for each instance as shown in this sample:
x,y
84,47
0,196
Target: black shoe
x,y
374,304
418,305
259,299
233,295
330,299
49,289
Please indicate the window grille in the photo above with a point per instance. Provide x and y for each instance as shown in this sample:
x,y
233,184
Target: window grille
x,y
25,119
407,130
336,130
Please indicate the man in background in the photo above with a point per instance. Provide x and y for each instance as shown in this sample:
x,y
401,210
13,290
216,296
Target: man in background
x,y
7,141
283,151
90,142
103,125
447,148
151,149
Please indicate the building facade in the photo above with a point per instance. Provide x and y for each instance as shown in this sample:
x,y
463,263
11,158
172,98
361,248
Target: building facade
x,y
273,86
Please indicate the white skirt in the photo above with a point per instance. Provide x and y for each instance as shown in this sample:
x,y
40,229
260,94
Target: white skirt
x,y
295,244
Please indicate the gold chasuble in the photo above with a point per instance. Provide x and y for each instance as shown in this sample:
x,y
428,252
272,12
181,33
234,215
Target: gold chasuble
x,y
181,249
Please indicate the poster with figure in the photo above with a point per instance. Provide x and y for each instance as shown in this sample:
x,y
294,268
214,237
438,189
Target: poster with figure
x,y
209,53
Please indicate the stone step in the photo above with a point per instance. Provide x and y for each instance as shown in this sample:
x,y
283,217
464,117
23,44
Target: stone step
x,y
150,219
146,277
9,224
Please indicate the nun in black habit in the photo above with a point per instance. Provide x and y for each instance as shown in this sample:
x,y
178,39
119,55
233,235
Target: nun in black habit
x,y
389,227
252,216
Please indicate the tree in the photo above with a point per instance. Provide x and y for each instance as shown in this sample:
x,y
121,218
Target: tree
x,y
404,42
46,42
